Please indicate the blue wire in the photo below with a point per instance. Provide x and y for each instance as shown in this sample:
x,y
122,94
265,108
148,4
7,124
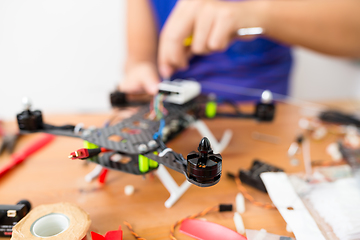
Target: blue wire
x,y
159,132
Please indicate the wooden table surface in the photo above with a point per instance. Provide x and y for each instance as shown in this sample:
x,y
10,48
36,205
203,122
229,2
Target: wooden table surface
x,y
48,176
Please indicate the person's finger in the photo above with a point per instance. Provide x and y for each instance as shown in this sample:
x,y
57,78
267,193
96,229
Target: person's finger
x,y
202,28
224,29
179,26
151,82
130,86
141,78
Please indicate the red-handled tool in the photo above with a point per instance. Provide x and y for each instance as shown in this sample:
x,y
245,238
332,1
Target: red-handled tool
x,y
18,158
111,235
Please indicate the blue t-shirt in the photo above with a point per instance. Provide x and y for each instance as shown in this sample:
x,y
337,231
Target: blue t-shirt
x,y
260,64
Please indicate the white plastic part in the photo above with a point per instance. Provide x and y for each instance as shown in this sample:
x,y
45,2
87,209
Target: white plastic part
x,y
116,157
304,123
180,91
266,96
319,133
293,149
217,147
94,173
240,203
50,225
250,31
129,190
288,228
290,206
26,103
239,224
78,127
261,235
175,191
352,137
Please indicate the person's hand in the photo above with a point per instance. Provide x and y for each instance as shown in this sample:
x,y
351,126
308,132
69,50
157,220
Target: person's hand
x,y
140,77
212,25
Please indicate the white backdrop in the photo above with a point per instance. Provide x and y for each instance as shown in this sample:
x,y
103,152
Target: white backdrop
x,y
67,55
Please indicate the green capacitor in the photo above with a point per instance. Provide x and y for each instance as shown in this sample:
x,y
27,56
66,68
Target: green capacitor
x,y
210,109
143,163
90,145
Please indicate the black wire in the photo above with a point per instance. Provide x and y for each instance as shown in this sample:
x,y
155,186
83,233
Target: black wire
x,y
333,116
238,113
64,127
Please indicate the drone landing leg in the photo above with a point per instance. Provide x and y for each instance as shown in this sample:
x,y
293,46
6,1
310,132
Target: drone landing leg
x,y
175,191
94,173
204,131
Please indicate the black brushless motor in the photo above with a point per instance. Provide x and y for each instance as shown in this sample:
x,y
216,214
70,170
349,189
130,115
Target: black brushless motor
x,y
204,167
30,120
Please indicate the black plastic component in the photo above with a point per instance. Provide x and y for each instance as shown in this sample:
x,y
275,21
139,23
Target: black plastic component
x,y
30,120
26,203
337,117
204,167
121,99
230,175
225,207
264,111
300,139
252,176
167,92
118,99
10,215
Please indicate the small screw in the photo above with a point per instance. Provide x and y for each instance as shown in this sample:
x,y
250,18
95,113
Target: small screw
x,y
26,103
142,147
152,144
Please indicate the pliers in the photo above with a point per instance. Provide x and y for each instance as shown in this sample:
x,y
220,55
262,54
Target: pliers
x,y
8,140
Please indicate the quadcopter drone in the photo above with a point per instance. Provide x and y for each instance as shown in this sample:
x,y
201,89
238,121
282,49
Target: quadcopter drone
x,y
141,140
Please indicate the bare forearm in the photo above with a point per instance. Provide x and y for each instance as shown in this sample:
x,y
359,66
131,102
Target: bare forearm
x,y
141,32
327,26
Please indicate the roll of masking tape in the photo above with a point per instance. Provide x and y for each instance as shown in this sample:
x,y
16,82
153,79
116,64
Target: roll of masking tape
x,y
54,222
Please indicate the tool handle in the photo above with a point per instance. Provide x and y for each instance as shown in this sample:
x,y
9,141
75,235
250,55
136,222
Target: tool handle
x,y
18,158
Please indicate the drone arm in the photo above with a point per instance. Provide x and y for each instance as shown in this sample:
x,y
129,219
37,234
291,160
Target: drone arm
x,y
170,160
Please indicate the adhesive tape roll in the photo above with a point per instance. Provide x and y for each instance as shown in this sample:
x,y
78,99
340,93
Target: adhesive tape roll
x,y
54,222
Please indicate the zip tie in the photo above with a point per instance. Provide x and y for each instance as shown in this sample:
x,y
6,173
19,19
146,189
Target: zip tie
x,y
165,151
78,127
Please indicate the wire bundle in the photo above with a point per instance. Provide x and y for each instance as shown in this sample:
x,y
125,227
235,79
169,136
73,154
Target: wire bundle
x,y
132,231
157,109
